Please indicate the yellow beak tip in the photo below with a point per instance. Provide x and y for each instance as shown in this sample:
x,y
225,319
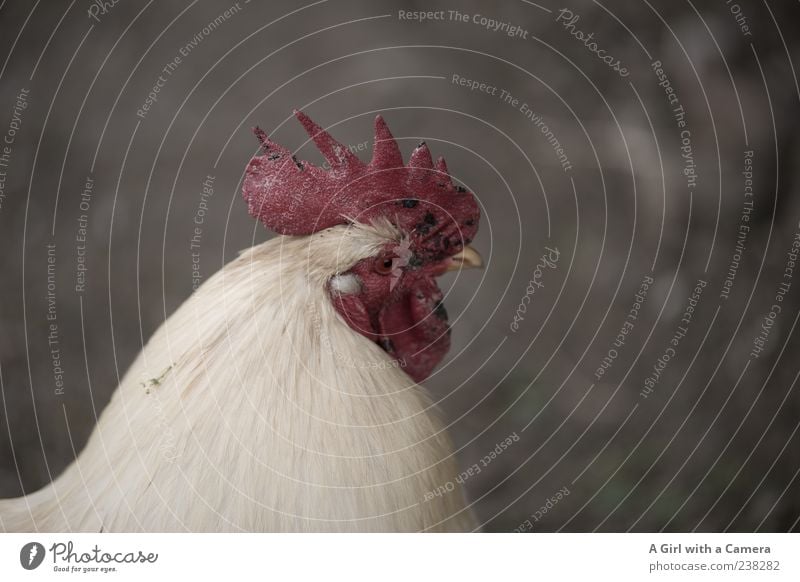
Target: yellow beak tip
x,y
467,258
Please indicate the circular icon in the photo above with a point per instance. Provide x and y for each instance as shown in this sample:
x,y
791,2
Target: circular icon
x,y
31,555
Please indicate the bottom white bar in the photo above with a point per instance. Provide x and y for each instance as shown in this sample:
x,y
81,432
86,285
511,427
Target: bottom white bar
x,y
389,557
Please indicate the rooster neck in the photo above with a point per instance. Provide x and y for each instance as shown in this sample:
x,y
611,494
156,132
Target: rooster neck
x,y
255,407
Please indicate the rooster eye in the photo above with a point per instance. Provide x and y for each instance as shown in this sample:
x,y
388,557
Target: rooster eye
x,y
383,265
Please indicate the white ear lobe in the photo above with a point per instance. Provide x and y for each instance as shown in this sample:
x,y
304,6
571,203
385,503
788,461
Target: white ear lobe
x,y
347,284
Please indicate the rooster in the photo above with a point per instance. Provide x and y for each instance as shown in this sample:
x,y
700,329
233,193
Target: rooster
x,y
284,394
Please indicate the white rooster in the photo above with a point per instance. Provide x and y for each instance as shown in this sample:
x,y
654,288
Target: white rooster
x,y
282,395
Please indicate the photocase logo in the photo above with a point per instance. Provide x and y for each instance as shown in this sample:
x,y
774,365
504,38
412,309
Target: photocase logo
x,y
31,555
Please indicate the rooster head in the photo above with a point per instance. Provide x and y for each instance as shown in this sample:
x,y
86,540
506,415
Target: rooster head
x,y
389,296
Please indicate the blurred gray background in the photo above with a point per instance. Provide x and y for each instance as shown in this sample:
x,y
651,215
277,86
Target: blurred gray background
x,y
713,447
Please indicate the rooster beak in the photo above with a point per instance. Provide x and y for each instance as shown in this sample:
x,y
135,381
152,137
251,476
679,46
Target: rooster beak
x,y
467,258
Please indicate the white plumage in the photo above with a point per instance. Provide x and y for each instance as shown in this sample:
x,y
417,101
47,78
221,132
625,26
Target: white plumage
x,y
256,408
